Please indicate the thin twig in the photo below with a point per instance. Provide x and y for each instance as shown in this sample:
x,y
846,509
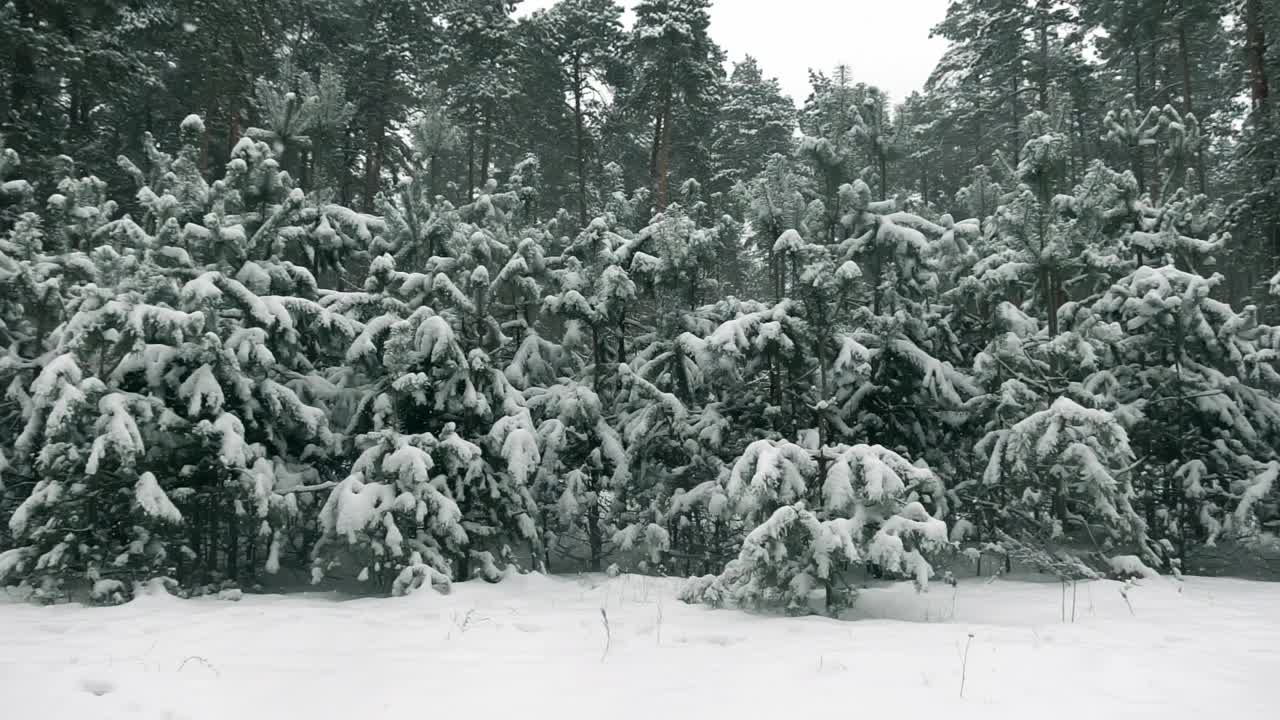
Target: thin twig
x,y
659,621
206,663
964,664
608,636
1124,593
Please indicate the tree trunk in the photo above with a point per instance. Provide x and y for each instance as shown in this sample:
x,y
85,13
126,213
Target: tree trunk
x,y
580,143
884,175
373,160
876,278
1049,288
1015,116
233,549
1187,105
597,352
979,158
1137,77
1256,51
344,185
1082,141
22,83
486,150
1044,57
1157,181
664,159
622,345
471,161
653,150
1136,151
1186,67
304,169
1060,502
204,148
233,127
595,534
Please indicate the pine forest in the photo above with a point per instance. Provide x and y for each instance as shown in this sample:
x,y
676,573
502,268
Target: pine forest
x,y
399,294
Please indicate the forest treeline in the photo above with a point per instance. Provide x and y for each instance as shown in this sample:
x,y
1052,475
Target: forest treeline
x,y
415,291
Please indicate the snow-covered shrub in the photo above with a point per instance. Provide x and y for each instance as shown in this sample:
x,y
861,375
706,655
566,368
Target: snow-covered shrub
x,y
870,510
580,471
782,562
390,514
1067,466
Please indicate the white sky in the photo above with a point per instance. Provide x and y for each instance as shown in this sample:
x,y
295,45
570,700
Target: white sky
x,y
885,42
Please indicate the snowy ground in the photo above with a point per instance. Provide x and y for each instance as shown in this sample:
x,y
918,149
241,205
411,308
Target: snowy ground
x,y
535,647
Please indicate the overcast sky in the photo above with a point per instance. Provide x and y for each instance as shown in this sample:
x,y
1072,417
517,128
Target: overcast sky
x,y
885,42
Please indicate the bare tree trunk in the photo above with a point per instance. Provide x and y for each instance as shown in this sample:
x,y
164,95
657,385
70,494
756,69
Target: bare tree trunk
x,y
664,159
1136,152
884,176
622,345
1186,67
373,160
1256,50
471,160
653,150
1015,116
434,176
233,127
580,140
597,352
21,84
1157,181
1048,286
204,149
1044,56
486,150
348,156
595,534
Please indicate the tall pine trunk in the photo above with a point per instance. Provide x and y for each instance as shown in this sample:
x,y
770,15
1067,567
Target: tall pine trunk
x,y
373,160
1015,118
486,149
1043,32
22,82
884,175
1256,52
1157,179
434,176
653,150
1135,152
471,161
580,143
1188,107
663,181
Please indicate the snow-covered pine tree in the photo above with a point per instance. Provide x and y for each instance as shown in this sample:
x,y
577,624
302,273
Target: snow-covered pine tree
x,y
580,474
390,520
671,421
16,193
303,116
1068,467
593,297
1197,380
176,416
757,121
910,347
446,351
774,203
869,509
